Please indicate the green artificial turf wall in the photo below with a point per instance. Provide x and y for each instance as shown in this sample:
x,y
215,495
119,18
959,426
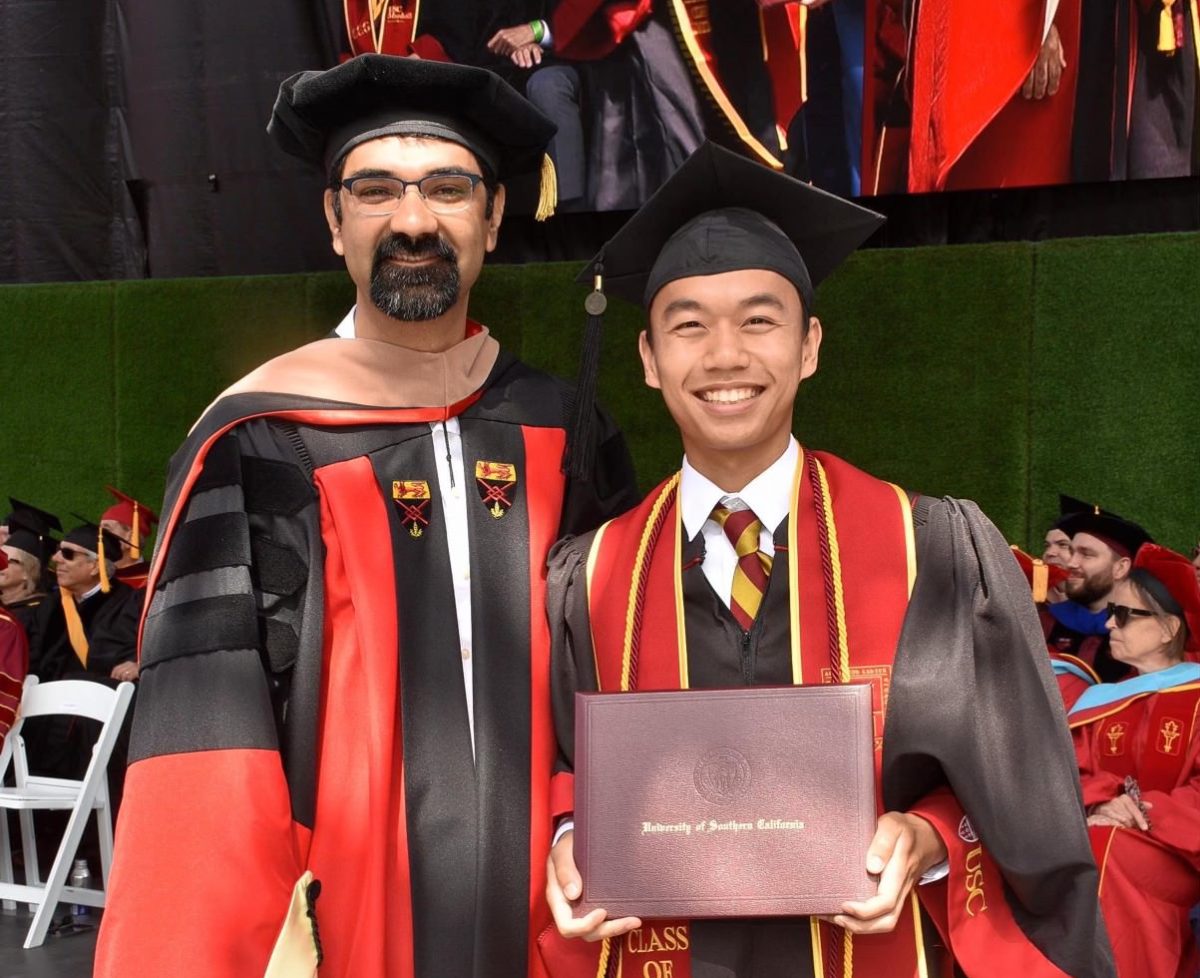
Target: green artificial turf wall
x,y
1004,373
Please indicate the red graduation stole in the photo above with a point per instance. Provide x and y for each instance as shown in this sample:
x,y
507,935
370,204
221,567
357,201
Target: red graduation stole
x,y
851,567
381,26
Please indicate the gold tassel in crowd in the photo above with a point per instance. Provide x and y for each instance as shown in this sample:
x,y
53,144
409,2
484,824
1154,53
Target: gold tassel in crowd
x,y
547,191
1041,580
135,538
105,584
1166,29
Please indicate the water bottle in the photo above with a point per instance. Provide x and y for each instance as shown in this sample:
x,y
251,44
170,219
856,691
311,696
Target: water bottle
x,y
81,878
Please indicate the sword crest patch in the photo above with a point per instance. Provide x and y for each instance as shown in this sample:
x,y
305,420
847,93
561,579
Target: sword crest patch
x,y
497,484
411,497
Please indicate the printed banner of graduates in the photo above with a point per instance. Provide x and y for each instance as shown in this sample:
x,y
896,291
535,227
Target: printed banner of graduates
x,y
861,97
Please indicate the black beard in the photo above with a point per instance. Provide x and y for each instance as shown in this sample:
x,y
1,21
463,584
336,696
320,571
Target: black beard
x,y
414,294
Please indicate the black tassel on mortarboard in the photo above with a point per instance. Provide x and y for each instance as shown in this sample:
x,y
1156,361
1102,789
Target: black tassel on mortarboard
x,y
577,460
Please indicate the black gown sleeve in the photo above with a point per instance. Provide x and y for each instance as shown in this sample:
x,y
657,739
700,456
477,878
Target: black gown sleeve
x,y
572,665
227,614
974,705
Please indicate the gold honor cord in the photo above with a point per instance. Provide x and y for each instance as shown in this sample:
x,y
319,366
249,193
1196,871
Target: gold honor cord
x,y
793,574
1194,7
680,620
835,560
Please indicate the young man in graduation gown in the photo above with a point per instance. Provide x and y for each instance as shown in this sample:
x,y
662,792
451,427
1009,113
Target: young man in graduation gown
x,y
1138,748
764,562
345,660
1103,546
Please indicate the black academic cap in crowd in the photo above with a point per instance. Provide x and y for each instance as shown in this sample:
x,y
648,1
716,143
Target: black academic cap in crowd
x,y
1124,536
32,518
1069,506
720,212
35,544
89,537
320,116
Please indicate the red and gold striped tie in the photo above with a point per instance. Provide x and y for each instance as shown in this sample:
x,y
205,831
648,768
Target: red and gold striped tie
x,y
753,568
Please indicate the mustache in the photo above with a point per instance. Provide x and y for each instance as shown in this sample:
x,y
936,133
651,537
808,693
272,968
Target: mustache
x,y
403,246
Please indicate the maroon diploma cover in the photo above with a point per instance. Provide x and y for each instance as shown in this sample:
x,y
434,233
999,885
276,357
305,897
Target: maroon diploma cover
x,y
724,803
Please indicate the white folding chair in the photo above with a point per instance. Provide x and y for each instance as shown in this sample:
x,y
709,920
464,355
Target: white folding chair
x,y
72,697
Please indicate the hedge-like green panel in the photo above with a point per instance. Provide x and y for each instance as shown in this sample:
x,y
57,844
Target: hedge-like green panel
x,y
179,343
58,430
1003,373
924,372
1116,396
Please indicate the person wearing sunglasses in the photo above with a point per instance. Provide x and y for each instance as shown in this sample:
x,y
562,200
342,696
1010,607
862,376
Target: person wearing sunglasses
x,y
1103,546
89,625
1138,746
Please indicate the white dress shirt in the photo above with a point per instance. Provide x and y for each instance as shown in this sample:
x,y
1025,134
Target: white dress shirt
x,y
768,495
454,506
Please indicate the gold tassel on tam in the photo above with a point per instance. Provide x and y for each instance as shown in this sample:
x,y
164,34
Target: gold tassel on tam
x,y
1041,580
105,584
79,642
1166,29
547,191
135,538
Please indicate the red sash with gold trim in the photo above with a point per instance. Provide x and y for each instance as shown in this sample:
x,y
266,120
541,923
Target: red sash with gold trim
x,y
386,27
781,28
851,567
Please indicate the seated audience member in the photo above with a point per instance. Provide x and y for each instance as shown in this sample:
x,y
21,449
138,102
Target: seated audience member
x,y
23,584
130,522
1073,674
1103,546
89,626
1056,545
1138,746
14,663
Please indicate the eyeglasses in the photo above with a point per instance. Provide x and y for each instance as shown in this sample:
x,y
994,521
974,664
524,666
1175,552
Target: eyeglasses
x,y
443,193
1121,613
63,554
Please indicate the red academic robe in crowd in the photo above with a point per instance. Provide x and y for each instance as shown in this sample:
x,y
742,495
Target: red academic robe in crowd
x,y
14,664
971,127
1149,881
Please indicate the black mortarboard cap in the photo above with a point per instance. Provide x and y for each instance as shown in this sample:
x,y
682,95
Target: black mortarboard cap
x,y
1121,534
720,212
32,518
38,545
1069,506
320,116
89,535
